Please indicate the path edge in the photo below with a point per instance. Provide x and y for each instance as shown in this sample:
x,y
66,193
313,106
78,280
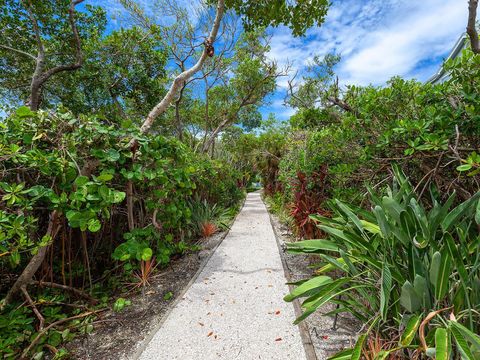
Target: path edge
x,y
302,327
174,304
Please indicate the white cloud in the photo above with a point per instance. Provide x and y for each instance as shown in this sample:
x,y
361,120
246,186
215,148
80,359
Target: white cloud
x,y
378,39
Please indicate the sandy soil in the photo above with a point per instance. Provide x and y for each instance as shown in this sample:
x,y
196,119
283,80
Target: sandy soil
x,y
117,335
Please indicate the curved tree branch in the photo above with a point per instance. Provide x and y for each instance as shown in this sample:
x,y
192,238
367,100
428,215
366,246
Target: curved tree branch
x,y
77,43
180,80
40,76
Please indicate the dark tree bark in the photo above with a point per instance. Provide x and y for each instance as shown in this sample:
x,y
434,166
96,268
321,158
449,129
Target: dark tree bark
x,y
471,26
178,118
26,276
41,75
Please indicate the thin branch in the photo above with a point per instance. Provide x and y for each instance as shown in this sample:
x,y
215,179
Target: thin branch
x,y
70,289
18,51
61,321
78,47
41,319
36,29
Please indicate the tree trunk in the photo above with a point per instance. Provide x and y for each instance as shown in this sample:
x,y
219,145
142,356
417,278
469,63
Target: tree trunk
x,y
178,119
207,117
40,75
183,77
35,86
129,195
213,136
26,276
472,26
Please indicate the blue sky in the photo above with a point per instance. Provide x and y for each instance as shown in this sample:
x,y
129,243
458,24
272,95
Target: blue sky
x,y
377,39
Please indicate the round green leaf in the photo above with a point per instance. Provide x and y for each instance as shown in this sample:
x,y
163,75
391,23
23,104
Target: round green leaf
x,y
94,225
147,254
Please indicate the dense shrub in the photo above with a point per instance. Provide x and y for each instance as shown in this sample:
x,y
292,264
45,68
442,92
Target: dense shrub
x,y
430,131
407,256
73,191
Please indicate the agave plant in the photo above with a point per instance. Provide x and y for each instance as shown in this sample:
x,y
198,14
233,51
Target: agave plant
x,y
406,271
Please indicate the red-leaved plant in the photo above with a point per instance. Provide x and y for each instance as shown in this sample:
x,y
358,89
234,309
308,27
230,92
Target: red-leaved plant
x,y
309,197
208,229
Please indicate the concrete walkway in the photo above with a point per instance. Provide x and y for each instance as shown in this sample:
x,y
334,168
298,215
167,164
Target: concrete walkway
x,y
234,309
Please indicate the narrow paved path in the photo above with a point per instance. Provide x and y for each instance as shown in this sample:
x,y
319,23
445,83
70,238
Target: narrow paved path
x,y
234,309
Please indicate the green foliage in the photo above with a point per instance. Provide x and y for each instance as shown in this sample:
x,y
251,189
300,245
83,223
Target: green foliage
x,y
218,182
82,168
122,78
167,296
297,15
120,304
16,326
56,34
431,131
403,260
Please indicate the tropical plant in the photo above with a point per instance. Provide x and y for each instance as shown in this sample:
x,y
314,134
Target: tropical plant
x,y
308,199
407,271
207,218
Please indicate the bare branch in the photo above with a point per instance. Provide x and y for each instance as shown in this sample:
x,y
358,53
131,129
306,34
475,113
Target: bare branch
x,y
40,77
179,81
78,47
36,29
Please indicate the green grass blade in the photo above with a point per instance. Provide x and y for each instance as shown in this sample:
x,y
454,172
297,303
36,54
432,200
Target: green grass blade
x,y
342,355
385,290
357,349
454,215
